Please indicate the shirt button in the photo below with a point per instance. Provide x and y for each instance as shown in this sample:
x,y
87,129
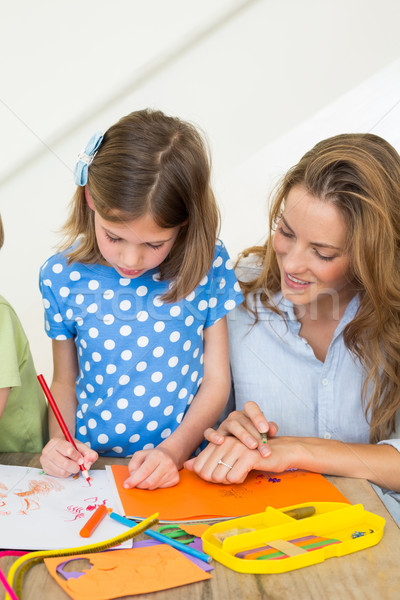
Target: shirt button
x,y
327,436
324,381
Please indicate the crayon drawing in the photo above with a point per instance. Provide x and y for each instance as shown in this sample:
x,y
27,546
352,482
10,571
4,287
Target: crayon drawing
x,y
39,512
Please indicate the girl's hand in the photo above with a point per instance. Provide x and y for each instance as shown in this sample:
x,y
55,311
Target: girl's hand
x,y
286,453
60,459
246,425
152,469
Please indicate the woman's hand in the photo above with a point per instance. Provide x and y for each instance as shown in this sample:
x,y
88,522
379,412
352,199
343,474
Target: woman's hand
x,y
245,425
231,461
60,459
152,469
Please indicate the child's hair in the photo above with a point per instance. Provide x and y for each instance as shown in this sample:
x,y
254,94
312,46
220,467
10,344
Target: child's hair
x,y
360,175
1,233
151,163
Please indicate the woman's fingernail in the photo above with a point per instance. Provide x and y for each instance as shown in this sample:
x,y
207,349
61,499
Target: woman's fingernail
x,y
251,443
265,451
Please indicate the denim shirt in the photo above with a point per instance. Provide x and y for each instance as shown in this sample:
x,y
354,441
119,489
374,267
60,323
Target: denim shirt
x,y
277,368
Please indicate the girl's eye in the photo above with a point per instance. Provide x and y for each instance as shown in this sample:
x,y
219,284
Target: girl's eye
x,y
111,239
155,246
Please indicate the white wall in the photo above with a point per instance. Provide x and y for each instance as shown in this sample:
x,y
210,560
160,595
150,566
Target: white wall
x,y
263,79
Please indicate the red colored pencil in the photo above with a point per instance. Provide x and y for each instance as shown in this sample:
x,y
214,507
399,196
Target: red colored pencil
x,y
61,421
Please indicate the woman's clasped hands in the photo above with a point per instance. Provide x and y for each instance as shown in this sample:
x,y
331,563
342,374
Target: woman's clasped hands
x,y
236,448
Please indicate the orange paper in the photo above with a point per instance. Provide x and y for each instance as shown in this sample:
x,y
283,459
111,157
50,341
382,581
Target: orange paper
x,y
128,572
196,529
196,499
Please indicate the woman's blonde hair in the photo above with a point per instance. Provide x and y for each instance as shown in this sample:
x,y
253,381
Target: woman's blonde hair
x,y
360,175
151,163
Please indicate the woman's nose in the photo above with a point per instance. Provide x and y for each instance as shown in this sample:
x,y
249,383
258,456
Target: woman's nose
x,y
295,260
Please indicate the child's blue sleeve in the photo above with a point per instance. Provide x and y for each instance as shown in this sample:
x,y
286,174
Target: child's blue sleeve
x,y
223,289
56,325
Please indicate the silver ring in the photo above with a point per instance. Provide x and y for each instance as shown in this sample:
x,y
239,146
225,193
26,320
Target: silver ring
x,y
221,462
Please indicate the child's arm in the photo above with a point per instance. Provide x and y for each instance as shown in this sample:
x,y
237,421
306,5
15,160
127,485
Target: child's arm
x,y
4,393
159,467
59,457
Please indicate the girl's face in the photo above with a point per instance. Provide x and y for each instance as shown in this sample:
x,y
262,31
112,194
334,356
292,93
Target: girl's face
x,y
134,247
309,244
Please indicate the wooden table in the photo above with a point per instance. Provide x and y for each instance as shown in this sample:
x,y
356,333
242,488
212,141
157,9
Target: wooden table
x,y
371,574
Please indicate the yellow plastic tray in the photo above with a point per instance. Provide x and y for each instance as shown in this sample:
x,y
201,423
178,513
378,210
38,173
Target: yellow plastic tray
x,y
350,526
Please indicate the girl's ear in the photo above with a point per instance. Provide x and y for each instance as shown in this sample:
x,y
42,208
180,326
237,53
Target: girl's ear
x,y
88,197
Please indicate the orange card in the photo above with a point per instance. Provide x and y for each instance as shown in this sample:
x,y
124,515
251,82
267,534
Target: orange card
x,y
196,499
126,572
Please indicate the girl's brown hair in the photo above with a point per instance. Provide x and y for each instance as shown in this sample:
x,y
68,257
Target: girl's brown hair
x,y
151,163
360,175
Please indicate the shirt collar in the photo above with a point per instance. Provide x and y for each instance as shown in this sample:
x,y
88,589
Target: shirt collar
x,y
287,308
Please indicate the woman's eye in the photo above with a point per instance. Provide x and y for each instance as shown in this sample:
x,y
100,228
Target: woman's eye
x,y
322,257
284,232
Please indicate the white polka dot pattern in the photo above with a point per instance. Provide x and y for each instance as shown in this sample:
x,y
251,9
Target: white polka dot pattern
x,y
140,359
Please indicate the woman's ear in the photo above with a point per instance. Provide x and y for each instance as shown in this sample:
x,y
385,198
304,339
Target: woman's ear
x,y
89,198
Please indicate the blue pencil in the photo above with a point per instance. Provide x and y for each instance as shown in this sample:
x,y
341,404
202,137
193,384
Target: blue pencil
x,y
163,538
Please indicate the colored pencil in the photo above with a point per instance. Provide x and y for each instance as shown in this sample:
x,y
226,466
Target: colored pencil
x,y
95,520
61,421
166,540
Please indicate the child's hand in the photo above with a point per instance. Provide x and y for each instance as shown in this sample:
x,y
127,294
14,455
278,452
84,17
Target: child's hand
x,y
60,459
151,469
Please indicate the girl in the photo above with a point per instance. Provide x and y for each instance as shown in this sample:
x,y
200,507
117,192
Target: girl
x,y
23,413
316,345
135,303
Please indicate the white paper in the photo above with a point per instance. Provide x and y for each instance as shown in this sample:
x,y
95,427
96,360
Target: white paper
x,y
39,512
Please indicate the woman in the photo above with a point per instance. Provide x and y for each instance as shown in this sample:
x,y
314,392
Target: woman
x,y
316,344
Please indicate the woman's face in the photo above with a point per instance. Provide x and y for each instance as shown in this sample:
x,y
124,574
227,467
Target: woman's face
x,y
309,244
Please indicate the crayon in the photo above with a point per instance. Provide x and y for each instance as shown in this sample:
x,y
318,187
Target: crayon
x,y
95,520
166,540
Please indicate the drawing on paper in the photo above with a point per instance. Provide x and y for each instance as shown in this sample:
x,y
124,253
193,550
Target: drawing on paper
x,y
40,512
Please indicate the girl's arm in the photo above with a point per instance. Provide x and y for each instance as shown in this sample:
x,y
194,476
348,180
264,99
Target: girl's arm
x,y
379,464
146,467
59,457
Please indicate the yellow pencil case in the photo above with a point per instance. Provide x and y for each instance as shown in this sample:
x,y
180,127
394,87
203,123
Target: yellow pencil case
x,y
273,542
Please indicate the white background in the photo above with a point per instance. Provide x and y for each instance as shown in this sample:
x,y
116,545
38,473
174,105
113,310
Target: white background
x,y
263,79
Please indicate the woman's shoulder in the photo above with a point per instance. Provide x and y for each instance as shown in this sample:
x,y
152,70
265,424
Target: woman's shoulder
x,y
248,268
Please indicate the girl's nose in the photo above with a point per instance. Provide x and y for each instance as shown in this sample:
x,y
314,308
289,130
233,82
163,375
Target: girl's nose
x,y
132,257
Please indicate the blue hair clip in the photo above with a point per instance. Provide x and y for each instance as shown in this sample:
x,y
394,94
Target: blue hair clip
x,y
86,157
